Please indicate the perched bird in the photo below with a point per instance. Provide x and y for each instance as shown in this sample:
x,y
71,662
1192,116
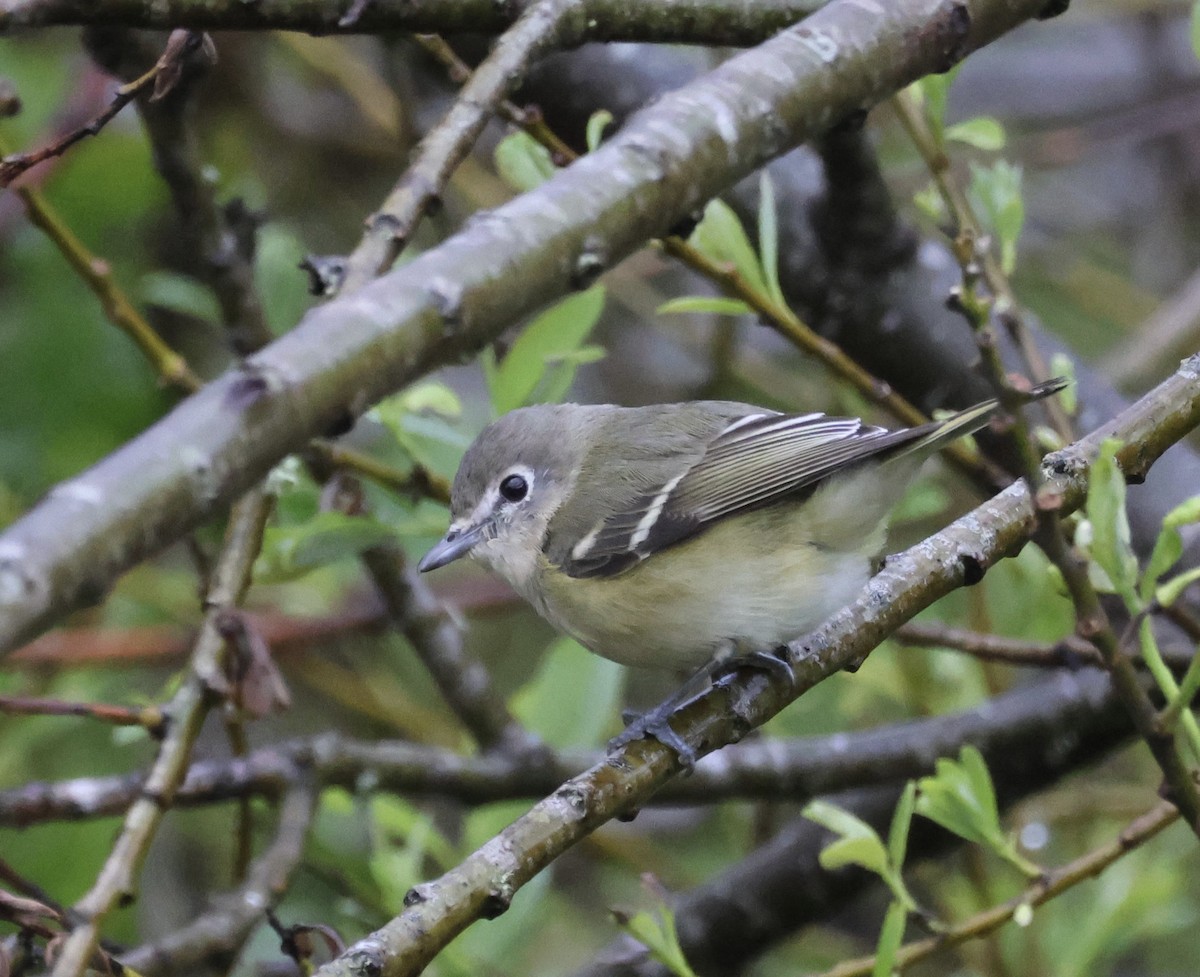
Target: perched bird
x,y
676,534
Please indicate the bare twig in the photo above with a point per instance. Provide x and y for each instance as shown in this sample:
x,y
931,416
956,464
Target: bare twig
x,y
544,25
150,717
416,482
1018,723
161,76
97,275
117,881
1069,652
1054,883
217,241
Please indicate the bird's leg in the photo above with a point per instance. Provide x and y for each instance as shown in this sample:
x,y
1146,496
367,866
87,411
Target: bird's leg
x,y
722,666
764,661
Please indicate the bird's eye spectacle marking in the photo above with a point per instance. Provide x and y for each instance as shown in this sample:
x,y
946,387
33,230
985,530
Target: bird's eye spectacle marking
x,y
514,488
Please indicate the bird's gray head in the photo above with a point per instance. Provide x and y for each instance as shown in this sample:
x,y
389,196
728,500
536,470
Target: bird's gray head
x,y
510,483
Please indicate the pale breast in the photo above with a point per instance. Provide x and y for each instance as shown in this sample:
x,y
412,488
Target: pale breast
x,y
682,605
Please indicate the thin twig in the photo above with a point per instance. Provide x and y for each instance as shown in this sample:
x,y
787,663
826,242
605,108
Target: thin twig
x,y
1070,651
96,273
1092,621
150,717
1026,722
117,881
977,261
1043,890
418,481
12,166
543,26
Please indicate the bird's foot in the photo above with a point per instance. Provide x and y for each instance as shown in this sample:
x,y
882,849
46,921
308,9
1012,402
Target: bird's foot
x,y
656,723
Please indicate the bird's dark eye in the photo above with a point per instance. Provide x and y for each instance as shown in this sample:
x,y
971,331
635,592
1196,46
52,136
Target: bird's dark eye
x,y
514,488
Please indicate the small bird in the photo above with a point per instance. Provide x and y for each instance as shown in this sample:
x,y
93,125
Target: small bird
x,y
678,535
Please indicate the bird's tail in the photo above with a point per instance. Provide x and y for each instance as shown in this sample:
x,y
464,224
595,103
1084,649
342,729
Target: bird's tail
x,y
929,437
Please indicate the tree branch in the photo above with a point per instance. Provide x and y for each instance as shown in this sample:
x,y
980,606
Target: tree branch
x,y
118,879
724,22
1019,723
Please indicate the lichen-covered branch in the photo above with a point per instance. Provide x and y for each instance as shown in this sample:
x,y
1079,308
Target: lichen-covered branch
x,y
117,881
665,162
724,22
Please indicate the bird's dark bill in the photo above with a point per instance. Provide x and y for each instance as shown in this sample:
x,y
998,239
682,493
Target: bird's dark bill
x,y
456,543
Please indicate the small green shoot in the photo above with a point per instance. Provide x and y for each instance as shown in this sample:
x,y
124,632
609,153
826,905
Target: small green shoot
x,y
596,124
655,930
996,192
523,162
960,797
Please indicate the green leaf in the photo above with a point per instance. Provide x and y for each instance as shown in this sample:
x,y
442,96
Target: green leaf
x,y
867,853
722,238
289,552
951,798
996,191
768,237
1195,31
1168,548
656,932
523,162
180,293
858,843
560,373
1111,548
932,92
416,418
572,699
960,797
597,123
704,303
1169,592
929,201
548,340
429,397
983,132
891,935
427,438
901,820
